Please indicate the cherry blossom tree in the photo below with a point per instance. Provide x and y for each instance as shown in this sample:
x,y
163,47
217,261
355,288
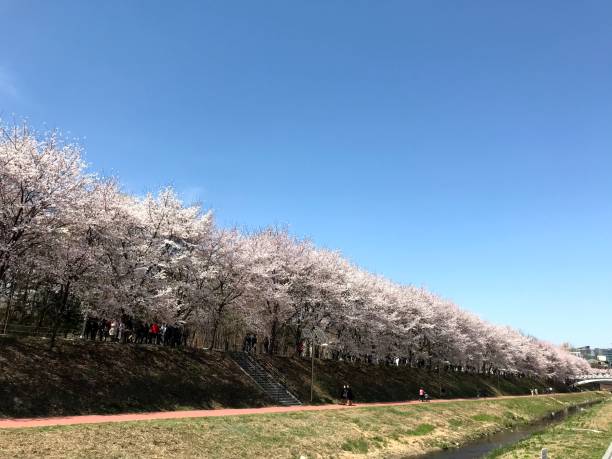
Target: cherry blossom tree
x,y
40,182
74,243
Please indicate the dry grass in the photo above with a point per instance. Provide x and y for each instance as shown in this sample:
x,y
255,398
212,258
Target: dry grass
x,y
365,432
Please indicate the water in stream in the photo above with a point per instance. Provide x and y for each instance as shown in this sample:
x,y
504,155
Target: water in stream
x,y
480,448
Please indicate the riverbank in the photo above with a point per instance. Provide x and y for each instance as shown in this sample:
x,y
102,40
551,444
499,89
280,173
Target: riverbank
x,y
384,431
586,435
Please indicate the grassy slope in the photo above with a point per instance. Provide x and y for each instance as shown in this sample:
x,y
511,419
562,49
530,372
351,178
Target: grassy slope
x,y
362,432
84,377
81,378
390,383
584,436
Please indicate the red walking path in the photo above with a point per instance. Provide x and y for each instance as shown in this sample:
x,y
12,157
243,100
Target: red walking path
x,y
97,419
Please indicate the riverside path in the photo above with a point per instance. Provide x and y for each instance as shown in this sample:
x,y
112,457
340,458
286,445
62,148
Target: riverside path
x,y
11,423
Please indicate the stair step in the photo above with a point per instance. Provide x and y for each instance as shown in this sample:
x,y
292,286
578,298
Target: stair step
x,y
265,380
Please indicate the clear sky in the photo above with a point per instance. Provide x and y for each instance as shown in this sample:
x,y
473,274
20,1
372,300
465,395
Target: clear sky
x,y
465,146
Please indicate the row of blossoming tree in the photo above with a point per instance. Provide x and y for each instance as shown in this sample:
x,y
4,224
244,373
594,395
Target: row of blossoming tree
x,y
74,244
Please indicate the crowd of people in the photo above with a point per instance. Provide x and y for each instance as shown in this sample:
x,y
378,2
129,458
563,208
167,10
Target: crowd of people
x,y
127,330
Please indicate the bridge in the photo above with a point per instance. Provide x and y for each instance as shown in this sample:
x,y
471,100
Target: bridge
x,y
593,378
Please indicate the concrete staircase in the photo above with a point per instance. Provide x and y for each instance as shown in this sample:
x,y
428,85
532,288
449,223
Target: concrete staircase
x,y
265,378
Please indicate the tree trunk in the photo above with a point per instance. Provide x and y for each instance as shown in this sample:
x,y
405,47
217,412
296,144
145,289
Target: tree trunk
x,y
273,337
3,270
216,322
56,319
9,303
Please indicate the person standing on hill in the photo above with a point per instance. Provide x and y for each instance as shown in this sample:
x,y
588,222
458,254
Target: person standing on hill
x,y
250,342
103,329
112,332
94,329
422,394
266,345
153,333
87,330
121,332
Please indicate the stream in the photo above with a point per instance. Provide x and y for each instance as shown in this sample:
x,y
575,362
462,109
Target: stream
x,y
479,448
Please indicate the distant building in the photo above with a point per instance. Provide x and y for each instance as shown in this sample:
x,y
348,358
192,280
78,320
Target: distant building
x,y
604,355
596,356
585,352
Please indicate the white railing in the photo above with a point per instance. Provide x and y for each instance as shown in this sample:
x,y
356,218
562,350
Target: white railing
x,y
598,375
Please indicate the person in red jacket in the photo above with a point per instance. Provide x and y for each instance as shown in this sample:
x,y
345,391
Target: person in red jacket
x,y
154,333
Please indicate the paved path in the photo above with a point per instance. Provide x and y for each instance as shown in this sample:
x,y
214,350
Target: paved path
x,y
97,419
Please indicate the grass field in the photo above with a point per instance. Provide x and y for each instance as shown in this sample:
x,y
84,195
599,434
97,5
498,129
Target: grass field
x,y
583,436
398,431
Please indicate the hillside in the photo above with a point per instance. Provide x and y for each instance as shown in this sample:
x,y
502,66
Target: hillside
x,y
381,383
85,377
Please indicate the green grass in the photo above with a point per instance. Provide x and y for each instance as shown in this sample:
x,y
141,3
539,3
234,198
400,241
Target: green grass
x,y
372,432
356,445
485,418
582,436
456,423
421,429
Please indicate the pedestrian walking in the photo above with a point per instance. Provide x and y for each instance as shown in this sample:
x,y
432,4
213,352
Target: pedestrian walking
x,y
344,394
349,395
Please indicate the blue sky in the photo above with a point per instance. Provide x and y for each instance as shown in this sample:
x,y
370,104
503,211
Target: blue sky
x,y
463,146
